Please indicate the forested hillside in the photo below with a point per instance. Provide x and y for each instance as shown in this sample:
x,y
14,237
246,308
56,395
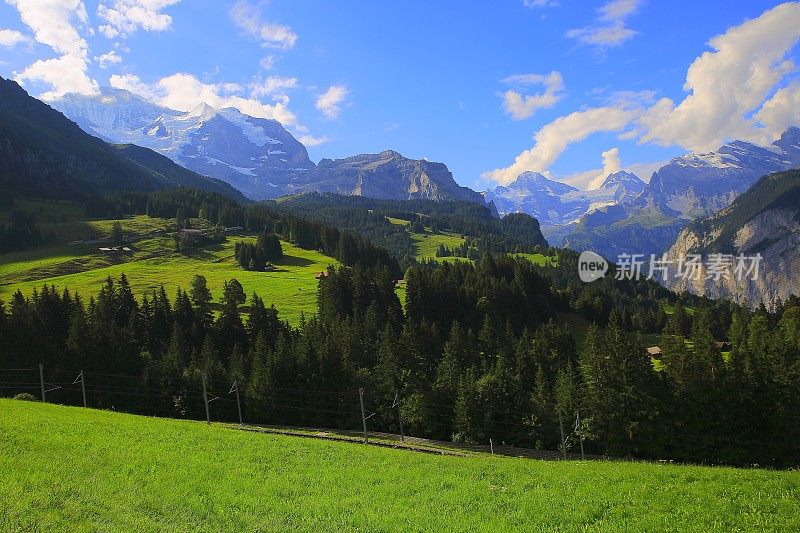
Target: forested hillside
x,y
376,220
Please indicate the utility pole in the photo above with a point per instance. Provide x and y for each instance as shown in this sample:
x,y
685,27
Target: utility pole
x,y
83,388
399,415
363,418
238,403
580,432
205,399
563,442
41,380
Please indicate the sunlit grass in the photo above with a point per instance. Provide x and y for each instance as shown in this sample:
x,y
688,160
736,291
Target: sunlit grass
x,y
72,469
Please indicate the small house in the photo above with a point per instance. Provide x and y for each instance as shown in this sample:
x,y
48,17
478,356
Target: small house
x,y
654,352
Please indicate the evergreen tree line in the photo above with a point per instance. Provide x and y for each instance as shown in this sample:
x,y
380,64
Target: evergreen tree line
x,y
21,233
184,203
479,353
368,217
256,256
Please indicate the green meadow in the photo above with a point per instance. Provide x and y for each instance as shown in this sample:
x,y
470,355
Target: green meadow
x,y
83,269
73,469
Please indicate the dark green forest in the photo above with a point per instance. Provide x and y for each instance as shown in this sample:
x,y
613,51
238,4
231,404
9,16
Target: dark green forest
x,y
479,354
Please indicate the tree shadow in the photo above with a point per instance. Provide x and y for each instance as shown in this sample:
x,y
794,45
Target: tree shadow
x,y
292,261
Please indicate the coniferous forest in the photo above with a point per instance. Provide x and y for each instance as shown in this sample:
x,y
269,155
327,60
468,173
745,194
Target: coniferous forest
x,y
479,353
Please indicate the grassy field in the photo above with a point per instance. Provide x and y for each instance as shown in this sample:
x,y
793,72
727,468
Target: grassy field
x,y
67,468
83,269
427,243
292,288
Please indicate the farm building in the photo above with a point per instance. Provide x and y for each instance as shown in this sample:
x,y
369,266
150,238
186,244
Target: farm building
x,y
654,352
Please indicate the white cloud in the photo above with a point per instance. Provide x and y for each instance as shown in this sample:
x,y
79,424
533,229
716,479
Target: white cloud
x,y
55,23
310,140
611,29
553,139
109,58
611,164
583,179
124,17
11,38
184,92
521,106
781,111
132,83
729,83
248,19
267,62
329,103
65,74
272,86
736,92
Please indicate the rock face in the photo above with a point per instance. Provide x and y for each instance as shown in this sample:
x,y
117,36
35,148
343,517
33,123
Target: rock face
x,y
257,156
764,220
387,175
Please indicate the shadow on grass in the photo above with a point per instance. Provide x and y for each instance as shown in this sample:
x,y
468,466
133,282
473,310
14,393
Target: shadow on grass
x,y
292,261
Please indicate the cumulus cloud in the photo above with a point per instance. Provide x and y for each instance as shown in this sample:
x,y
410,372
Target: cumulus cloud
x,y
124,17
736,91
610,29
729,83
611,164
555,137
11,38
248,19
55,23
184,92
521,106
781,111
109,58
65,74
329,103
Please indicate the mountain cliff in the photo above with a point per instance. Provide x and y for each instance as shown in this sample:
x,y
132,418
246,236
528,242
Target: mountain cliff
x,y
764,220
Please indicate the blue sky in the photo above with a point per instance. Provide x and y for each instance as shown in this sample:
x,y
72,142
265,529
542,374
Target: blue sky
x,y
491,89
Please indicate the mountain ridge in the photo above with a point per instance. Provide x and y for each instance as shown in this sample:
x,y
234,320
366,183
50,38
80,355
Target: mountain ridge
x,y
257,156
46,154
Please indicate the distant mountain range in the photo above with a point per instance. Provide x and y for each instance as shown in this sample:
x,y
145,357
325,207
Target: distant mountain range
x,y
627,216
556,203
764,220
42,153
257,156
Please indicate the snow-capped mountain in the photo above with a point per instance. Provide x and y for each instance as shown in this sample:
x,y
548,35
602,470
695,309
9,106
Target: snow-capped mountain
x,y
555,203
257,156
697,185
688,187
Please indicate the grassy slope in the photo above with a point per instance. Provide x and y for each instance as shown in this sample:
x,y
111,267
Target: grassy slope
x,y
428,243
82,269
293,288
66,468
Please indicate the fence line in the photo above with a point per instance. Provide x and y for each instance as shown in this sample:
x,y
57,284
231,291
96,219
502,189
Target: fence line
x,y
351,408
